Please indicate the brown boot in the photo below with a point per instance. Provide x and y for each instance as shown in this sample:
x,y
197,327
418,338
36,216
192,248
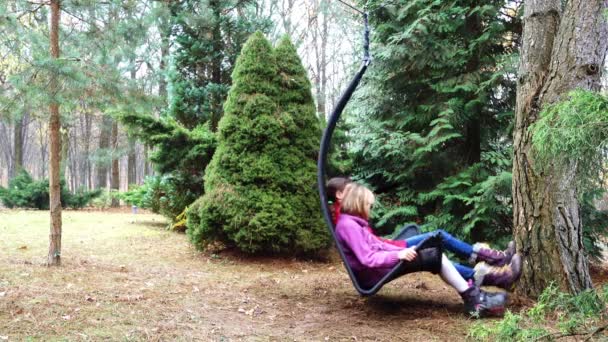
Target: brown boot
x,y
503,277
482,252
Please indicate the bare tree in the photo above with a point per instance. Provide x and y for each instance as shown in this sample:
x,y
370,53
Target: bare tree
x,y
54,256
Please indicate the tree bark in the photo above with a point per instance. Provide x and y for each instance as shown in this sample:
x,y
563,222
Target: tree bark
x,y
115,180
217,99
147,169
65,139
18,143
54,256
85,123
561,50
43,148
131,156
104,145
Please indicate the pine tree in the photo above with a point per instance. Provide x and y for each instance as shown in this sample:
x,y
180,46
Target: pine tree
x,y
259,183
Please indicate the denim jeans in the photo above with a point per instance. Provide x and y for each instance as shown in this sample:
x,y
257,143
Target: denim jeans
x,y
452,244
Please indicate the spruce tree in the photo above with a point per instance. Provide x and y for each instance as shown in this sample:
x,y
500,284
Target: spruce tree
x,y
259,184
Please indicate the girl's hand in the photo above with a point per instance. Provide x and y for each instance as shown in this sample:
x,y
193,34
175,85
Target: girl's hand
x,y
407,254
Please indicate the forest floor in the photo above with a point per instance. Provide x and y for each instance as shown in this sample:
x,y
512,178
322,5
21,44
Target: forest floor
x,y
124,277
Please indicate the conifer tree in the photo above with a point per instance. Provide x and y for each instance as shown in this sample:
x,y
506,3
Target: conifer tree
x,y
208,36
432,125
260,180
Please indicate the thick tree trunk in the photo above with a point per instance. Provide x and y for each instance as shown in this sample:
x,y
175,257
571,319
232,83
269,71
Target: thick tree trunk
x,y
54,256
560,51
115,169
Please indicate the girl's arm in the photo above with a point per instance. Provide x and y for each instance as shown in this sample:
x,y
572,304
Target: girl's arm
x,y
355,237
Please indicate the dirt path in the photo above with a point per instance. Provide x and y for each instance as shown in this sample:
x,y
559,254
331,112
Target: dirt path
x,y
126,278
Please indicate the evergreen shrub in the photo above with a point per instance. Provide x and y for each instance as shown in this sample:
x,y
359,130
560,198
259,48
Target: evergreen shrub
x,y
259,187
25,192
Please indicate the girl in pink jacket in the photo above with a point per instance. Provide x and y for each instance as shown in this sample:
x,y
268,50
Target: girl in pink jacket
x,y
371,258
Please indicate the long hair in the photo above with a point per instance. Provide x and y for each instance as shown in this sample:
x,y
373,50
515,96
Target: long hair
x,y
357,200
336,184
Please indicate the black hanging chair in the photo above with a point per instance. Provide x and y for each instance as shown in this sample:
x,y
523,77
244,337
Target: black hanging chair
x,y
429,251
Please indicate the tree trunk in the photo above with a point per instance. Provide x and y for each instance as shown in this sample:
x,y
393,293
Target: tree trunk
x,y
115,170
86,180
43,148
131,157
165,38
132,163
217,98
18,142
560,51
104,145
54,256
65,140
147,169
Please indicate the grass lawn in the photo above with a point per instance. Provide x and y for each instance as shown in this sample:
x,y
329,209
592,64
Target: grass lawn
x,y
124,277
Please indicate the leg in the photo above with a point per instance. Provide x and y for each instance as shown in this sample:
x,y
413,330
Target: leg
x,y
477,302
450,243
450,275
465,271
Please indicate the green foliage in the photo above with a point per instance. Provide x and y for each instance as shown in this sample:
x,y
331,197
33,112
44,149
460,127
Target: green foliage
x,y
25,192
432,121
208,36
574,133
556,314
180,157
260,183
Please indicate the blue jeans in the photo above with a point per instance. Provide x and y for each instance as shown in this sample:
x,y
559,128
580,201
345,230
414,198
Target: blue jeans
x,y
452,244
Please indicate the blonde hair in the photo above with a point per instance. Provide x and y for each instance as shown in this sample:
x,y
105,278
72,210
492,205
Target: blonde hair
x,y
357,200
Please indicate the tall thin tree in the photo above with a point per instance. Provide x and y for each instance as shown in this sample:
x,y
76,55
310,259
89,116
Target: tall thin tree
x,y
54,257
